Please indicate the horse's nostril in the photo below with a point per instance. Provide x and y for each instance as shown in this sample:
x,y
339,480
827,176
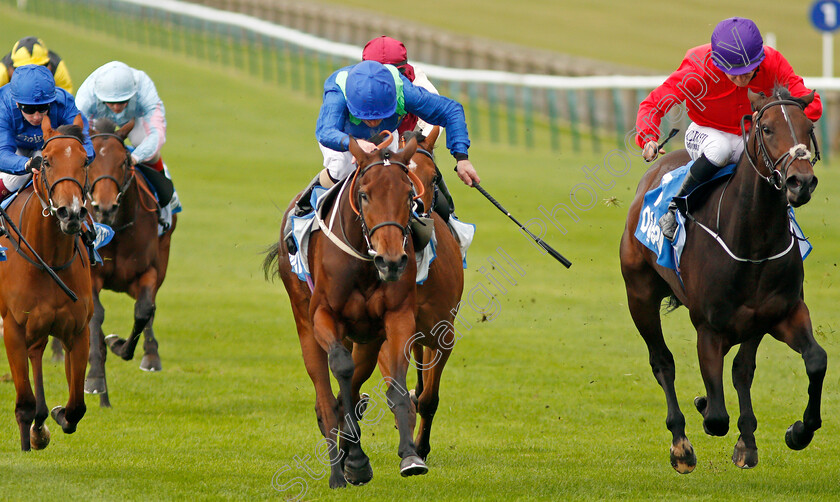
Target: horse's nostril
x,y
83,213
379,261
403,261
62,213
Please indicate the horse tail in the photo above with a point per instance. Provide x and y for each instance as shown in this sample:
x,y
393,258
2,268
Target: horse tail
x,y
673,304
272,252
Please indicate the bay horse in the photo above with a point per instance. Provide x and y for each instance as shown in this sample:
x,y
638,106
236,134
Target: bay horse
x,y
361,299
437,303
741,277
48,215
135,260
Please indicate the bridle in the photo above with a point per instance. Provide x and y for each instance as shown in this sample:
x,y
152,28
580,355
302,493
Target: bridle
x,y
776,178
123,185
41,175
356,202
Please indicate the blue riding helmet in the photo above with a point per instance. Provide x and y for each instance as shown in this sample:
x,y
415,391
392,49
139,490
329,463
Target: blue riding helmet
x,y
371,91
33,85
737,46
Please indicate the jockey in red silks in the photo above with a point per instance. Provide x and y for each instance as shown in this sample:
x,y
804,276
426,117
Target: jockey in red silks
x,y
391,51
713,80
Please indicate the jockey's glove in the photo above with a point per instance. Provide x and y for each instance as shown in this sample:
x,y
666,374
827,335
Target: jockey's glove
x,y
33,164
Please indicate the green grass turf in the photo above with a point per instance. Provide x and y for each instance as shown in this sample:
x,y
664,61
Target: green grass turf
x,y
651,34
551,400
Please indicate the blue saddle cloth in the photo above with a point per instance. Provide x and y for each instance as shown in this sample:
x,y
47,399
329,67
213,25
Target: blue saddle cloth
x,y
655,204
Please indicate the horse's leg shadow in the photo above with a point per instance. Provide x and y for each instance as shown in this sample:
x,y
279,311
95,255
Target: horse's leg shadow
x,y
96,382
151,358
796,331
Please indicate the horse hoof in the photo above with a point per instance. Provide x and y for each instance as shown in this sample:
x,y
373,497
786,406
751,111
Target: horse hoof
x,y
337,482
39,438
700,403
104,401
95,386
58,414
358,476
743,457
683,459
797,437
150,363
412,465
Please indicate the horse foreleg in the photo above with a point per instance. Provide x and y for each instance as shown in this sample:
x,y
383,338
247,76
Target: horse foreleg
x,y
427,401
144,309
796,331
357,469
400,327
151,358
15,341
710,352
75,363
39,434
96,382
745,455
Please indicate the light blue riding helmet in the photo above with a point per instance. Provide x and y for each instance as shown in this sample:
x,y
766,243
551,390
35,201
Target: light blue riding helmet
x,y
371,91
33,85
114,82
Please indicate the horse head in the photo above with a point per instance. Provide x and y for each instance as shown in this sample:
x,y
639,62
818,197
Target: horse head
x,y
381,193
780,135
423,163
112,163
62,178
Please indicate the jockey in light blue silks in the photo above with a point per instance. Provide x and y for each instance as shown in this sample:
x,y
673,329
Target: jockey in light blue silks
x,y
30,96
365,99
120,93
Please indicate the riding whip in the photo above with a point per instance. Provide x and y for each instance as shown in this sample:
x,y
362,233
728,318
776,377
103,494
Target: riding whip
x,y
557,256
671,134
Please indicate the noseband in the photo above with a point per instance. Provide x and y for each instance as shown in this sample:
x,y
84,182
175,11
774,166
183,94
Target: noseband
x,y
799,151
48,188
129,172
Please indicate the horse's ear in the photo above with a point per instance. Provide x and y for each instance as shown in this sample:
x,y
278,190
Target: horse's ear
x,y
356,150
78,121
808,98
429,142
46,127
756,100
123,131
409,149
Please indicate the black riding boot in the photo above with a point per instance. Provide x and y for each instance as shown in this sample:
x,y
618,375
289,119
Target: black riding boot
x,y
302,207
444,206
700,172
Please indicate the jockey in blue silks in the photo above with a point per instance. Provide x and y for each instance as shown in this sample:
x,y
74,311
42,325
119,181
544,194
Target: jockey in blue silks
x,y
30,96
365,99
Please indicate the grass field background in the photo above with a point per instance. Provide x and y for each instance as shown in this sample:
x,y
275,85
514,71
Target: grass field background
x,y
553,399
651,34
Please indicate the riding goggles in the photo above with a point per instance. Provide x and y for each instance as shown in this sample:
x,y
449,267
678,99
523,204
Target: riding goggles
x,y
30,109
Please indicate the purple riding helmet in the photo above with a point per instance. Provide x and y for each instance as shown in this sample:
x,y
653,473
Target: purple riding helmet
x,y
737,46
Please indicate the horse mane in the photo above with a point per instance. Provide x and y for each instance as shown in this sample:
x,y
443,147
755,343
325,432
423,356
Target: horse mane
x,y
105,125
783,93
72,130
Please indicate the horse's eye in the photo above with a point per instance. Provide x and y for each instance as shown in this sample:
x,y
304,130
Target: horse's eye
x,y
766,130
363,196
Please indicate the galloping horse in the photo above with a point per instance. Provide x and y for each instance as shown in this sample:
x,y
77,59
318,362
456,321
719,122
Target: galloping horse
x,y
135,260
363,298
437,303
49,215
741,278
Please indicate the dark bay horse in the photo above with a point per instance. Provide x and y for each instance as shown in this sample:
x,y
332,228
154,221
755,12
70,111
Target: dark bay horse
x,y
363,294
739,286
49,215
135,260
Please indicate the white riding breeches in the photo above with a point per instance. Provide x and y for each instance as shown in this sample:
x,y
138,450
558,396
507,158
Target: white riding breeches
x,y
342,164
721,148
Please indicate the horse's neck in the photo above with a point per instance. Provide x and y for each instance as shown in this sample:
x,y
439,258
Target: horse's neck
x,y
348,224
757,216
43,232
